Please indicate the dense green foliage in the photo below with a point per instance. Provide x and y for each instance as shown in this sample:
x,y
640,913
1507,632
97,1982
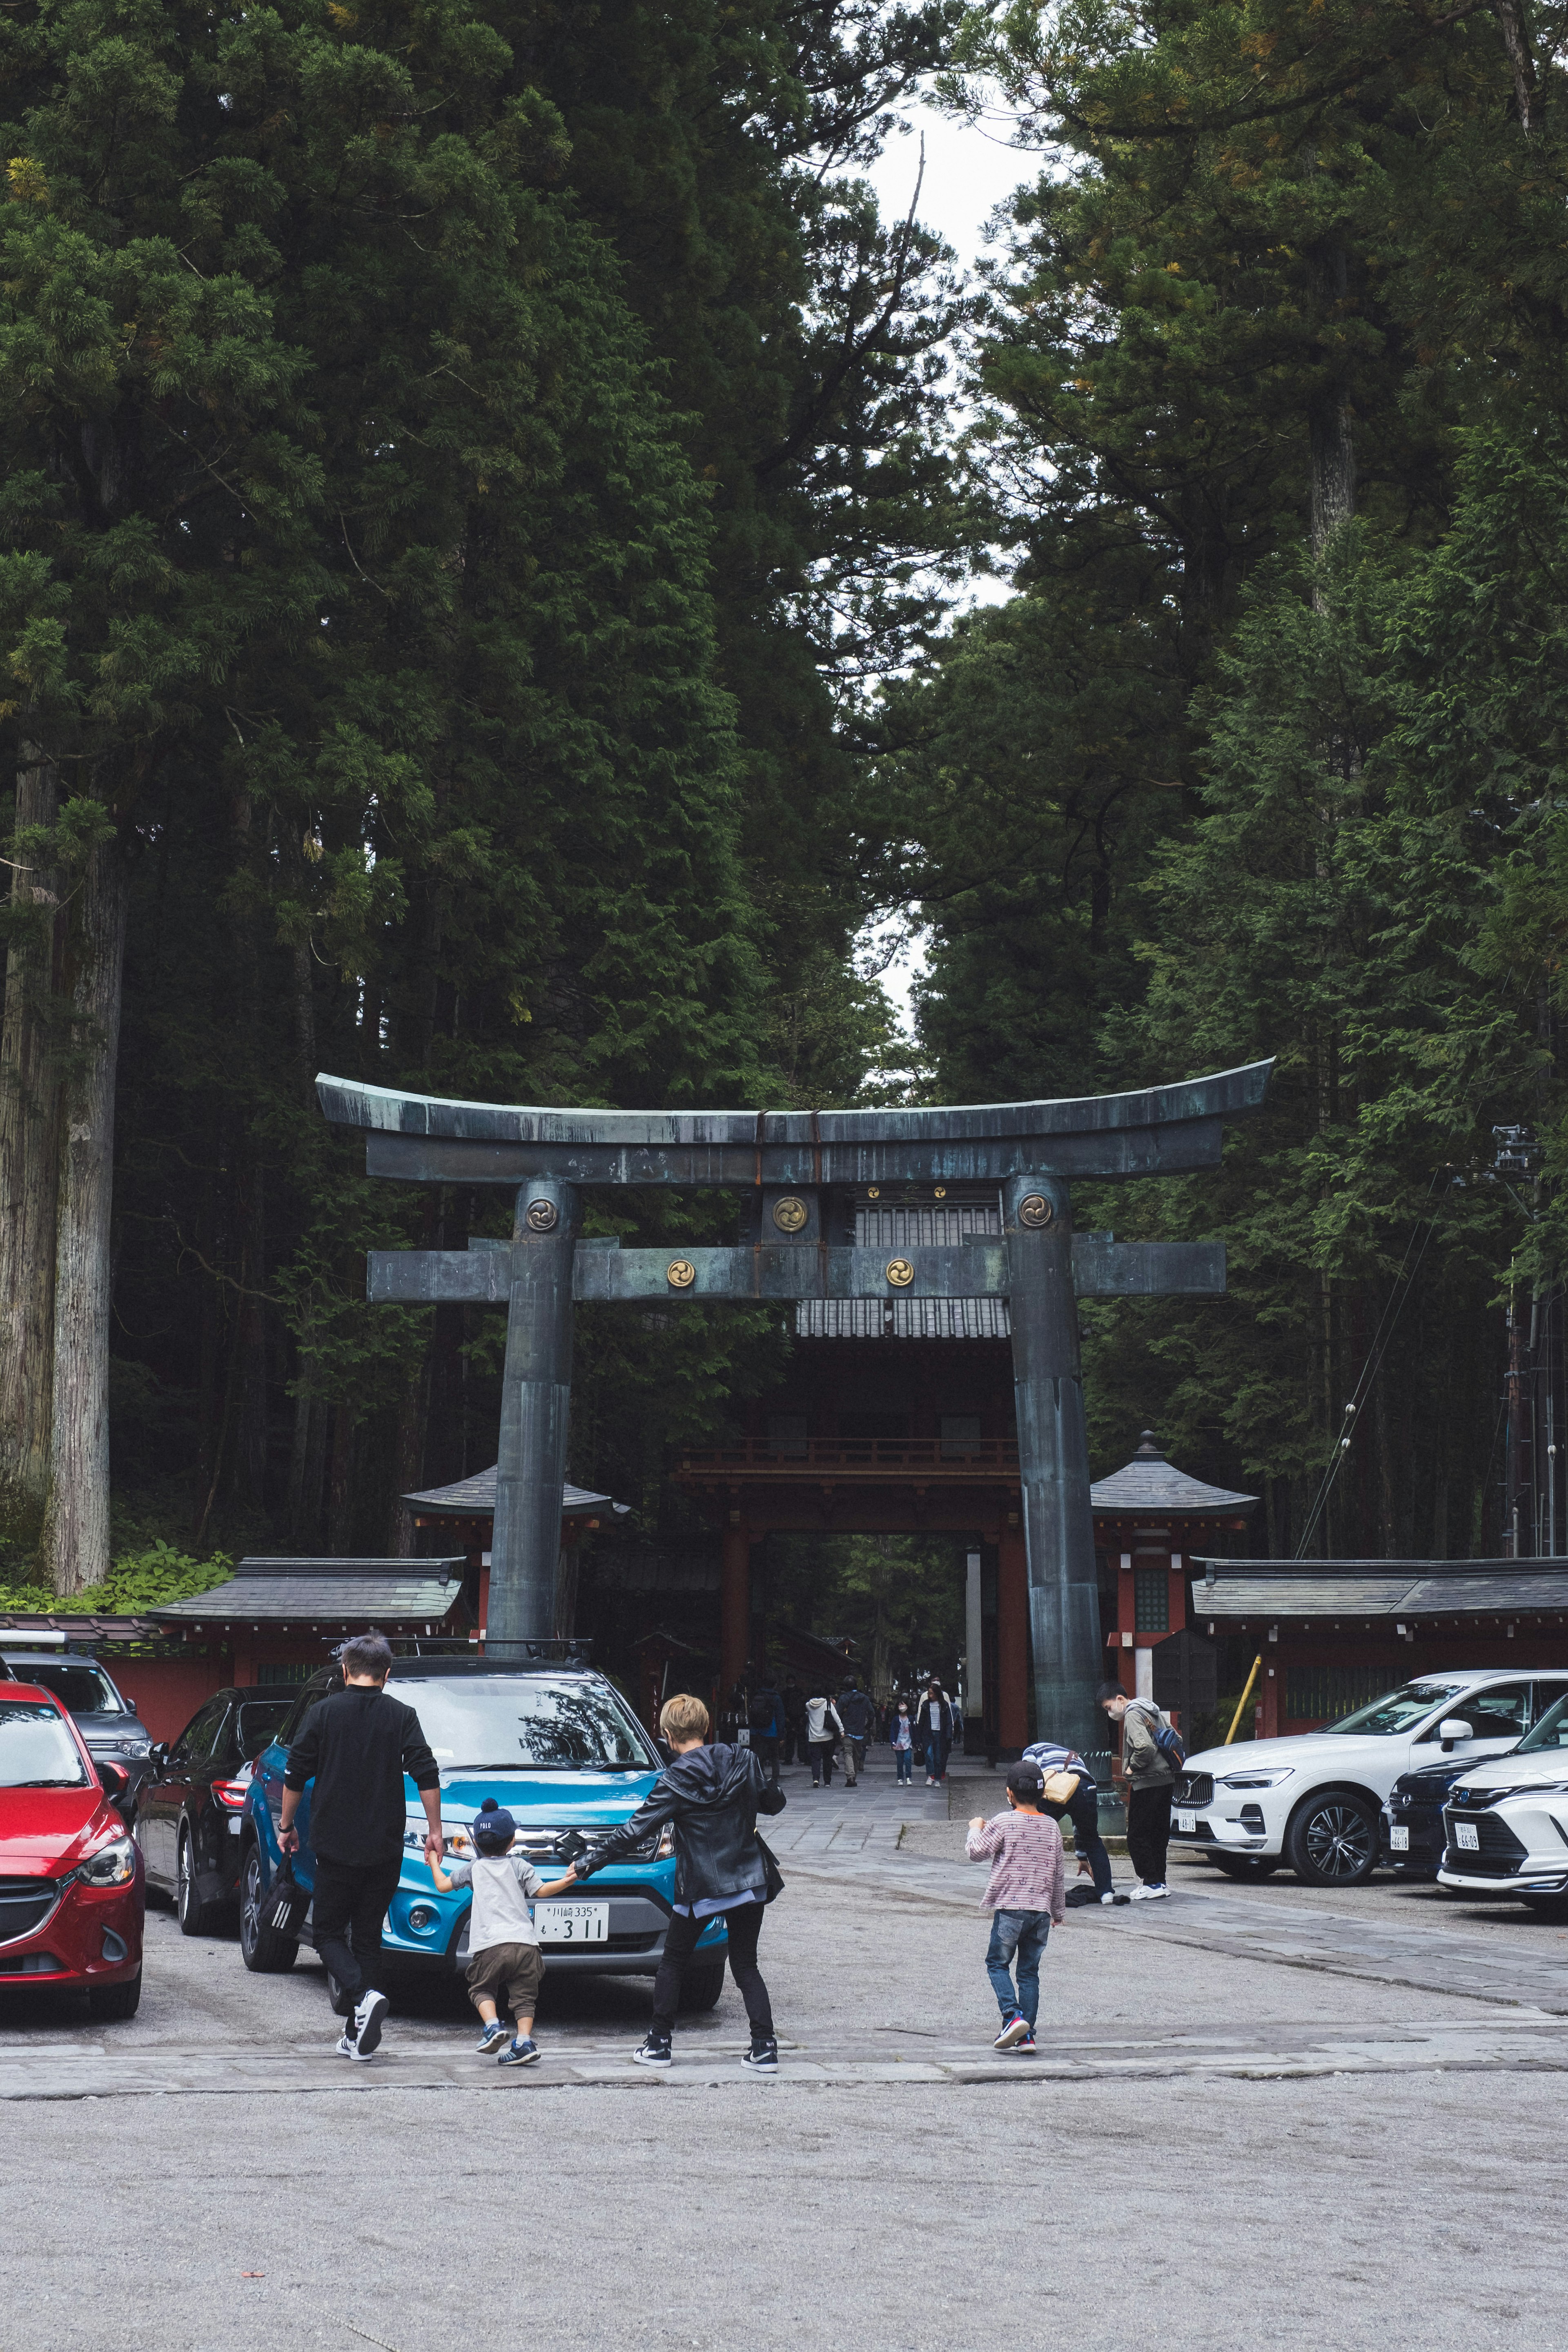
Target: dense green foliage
x,y
458,458
1265,759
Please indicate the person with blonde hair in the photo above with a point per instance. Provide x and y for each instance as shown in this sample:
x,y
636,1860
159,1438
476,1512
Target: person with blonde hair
x,y
710,1796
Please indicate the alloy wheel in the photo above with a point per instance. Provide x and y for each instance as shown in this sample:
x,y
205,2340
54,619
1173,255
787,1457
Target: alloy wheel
x,y
250,1902
1339,1840
185,1887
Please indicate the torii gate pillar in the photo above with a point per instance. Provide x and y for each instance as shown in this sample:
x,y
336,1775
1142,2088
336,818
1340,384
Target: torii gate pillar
x,y
1052,1454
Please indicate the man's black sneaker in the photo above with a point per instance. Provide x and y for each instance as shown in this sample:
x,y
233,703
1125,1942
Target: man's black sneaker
x,y
524,2051
653,2052
762,2057
367,2024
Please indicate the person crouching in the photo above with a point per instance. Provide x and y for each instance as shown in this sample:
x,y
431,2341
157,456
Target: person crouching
x,y
503,1942
1026,1895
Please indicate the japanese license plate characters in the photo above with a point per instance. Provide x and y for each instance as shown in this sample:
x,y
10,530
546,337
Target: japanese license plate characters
x,y
1399,1841
572,1923
1186,1823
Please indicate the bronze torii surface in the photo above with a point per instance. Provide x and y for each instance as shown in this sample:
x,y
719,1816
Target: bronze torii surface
x,y
787,1164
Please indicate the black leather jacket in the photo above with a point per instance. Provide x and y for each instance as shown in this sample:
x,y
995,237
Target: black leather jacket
x,y
713,1795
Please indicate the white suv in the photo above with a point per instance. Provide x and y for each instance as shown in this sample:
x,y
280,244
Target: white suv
x,y
1506,1825
1314,1801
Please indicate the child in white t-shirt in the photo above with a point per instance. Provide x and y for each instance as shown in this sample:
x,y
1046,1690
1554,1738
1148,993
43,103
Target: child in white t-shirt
x,y
503,1942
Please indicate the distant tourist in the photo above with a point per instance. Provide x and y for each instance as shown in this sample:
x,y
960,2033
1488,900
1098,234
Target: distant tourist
x,y
1082,1809
1151,1782
766,1722
504,1955
794,1723
712,1797
901,1737
820,1738
356,1744
858,1716
935,1729
1024,1897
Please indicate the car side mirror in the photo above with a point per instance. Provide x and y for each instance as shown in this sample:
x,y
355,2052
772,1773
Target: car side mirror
x,y
116,1779
158,1755
1452,1729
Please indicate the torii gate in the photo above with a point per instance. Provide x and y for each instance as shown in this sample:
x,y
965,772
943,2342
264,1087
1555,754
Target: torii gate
x,y
785,1163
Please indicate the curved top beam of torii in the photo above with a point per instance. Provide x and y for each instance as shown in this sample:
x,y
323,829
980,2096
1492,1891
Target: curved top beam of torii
x,y
1158,1130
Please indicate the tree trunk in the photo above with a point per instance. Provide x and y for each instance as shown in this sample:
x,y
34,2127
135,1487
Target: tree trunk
x,y
75,1548
29,1158
1522,64
408,1457
339,1506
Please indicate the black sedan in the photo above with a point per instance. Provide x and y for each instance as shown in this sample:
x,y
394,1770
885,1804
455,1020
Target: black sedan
x,y
1412,1834
188,1817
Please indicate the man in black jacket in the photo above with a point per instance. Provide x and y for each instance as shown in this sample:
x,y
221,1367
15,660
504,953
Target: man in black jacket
x,y
356,1745
711,1796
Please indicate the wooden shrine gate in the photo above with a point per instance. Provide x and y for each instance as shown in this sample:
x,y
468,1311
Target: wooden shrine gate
x,y
797,1172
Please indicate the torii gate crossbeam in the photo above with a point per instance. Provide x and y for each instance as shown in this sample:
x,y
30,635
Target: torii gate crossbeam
x,y
786,1165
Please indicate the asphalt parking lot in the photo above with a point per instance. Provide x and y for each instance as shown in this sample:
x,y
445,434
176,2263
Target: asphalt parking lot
x,y
1247,2125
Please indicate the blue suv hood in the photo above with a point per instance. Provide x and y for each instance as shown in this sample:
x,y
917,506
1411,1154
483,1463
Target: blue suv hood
x,y
556,1800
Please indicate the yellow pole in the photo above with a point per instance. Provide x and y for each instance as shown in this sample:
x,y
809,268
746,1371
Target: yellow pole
x,y
1247,1694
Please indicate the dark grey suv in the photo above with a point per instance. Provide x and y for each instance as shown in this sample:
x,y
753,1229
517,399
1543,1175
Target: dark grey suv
x,y
105,1717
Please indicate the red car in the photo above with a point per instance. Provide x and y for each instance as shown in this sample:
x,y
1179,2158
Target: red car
x,y
73,1894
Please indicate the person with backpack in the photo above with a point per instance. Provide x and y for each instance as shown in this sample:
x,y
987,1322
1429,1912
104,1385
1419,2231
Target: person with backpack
x,y
824,1730
1059,1767
1152,1756
766,1724
858,1715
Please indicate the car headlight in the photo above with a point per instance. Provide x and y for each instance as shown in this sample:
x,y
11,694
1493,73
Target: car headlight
x,y
134,1747
1270,1779
112,1866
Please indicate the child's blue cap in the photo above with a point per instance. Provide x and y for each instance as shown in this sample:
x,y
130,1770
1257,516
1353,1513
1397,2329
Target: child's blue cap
x,y
494,1828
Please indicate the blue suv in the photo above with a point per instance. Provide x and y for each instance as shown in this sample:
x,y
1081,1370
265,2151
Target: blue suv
x,y
559,1747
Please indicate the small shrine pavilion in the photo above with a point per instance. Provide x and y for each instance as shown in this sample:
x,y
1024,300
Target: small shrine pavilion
x,y
1148,1518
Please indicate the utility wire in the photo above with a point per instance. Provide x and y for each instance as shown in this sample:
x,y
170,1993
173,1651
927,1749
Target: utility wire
x,y
1394,1306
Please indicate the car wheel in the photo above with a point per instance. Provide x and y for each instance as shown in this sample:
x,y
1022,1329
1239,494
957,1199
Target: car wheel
x,y
264,1951
1333,1840
701,1988
1548,1906
196,1918
1247,1865
116,2001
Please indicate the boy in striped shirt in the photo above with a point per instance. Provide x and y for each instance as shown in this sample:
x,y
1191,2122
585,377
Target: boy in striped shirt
x,y
1025,1895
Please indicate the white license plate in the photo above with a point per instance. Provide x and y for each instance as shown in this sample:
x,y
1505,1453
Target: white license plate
x,y
1466,1835
1399,1841
572,1923
1186,1823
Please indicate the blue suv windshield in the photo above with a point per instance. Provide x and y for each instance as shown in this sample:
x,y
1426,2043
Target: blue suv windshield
x,y
501,1723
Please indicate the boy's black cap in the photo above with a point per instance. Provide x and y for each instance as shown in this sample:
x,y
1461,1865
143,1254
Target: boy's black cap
x,y
1025,1780
494,1828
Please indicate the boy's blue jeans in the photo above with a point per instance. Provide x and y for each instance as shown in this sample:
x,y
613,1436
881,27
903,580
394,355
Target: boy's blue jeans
x,y
1023,1933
